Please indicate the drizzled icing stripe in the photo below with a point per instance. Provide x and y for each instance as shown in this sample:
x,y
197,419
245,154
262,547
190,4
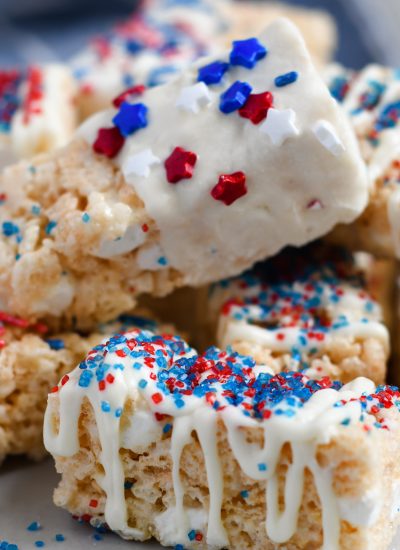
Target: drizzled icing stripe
x,y
166,377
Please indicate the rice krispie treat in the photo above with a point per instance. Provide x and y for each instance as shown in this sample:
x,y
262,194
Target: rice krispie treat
x,y
32,361
192,182
213,451
162,37
371,100
304,309
37,110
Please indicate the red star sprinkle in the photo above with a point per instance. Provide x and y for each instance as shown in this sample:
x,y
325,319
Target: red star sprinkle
x,y
109,142
134,91
230,187
256,107
179,165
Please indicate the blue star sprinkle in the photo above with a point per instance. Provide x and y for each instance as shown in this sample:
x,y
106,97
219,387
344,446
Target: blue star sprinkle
x,y
234,97
247,52
212,73
131,118
285,79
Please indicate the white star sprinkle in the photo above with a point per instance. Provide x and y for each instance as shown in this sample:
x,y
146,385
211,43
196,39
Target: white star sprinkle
x,y
191,98
326,135
279,125
139,164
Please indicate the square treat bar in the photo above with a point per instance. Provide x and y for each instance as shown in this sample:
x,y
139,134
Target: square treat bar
x,y
215,452
162,37
187,184
371,99
38,110
32,361
307,308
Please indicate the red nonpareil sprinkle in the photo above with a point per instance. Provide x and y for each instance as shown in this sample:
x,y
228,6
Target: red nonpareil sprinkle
x,y
180,165
102,385
132,92
120,353
280,336
64,379
86,518
256,107
110,378
157,398
54,389
160,417
33,95
198,537
145,228
229,188
93,503
12,320
109,142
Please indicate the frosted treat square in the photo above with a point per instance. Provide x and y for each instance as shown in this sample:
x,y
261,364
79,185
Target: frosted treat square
x,y
32,361
309,310
371,100
37,110
213,451
186,184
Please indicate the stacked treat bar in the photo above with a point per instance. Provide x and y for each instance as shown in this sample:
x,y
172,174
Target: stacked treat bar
x,y
247,181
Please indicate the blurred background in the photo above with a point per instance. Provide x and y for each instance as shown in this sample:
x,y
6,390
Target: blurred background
x,y
48,30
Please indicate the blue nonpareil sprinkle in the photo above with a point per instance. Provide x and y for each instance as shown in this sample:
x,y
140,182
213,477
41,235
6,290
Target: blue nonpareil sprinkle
x,y
59,537
142,383
162,260
191,534
10,229
50,226
244,494
262,467
213,72
85,217
35,210
285,79
128,485
39,544
55,343
131,118
34,526
118,412
105,406
167,428
247,52
234,97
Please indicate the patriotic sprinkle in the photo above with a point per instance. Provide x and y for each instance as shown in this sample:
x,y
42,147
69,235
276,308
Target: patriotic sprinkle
x,y
257,106
234,97
180,165
131,118
285,79
229,188
213,73
247,52
109,142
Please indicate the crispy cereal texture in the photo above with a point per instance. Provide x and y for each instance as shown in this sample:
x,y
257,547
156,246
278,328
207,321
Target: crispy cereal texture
x,y
358,462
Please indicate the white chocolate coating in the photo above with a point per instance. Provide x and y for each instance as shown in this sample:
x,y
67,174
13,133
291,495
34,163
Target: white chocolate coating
x,y
202,237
